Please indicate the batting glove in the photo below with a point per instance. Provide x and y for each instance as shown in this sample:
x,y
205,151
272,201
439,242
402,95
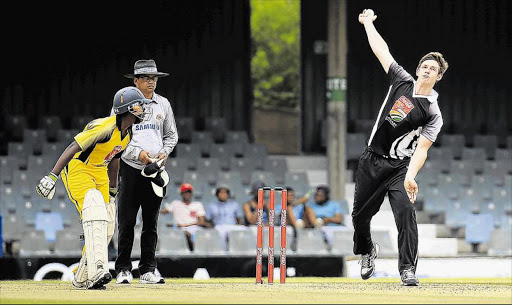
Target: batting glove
x,y
46,187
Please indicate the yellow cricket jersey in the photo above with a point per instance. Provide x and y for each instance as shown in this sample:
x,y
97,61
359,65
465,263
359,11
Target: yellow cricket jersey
x,y
100,142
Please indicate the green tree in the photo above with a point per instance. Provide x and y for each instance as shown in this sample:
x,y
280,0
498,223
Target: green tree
x,y
275,52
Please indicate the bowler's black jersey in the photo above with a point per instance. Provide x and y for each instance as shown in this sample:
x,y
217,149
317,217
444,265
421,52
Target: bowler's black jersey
x,y
403,117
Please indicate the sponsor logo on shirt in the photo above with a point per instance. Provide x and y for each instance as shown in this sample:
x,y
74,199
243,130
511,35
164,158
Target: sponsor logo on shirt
x,y
400,109
111,154
146,126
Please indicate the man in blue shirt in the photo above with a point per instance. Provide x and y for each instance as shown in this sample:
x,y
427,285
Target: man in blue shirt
x,y
224,214
328,213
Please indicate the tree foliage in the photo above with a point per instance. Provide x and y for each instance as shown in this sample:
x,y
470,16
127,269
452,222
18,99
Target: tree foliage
x,y
275,52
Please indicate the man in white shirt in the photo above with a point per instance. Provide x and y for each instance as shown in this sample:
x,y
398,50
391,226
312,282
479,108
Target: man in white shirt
x,y
187,214
153,140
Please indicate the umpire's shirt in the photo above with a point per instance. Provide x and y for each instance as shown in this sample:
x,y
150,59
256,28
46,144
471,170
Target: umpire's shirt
x,y
156,134
403,117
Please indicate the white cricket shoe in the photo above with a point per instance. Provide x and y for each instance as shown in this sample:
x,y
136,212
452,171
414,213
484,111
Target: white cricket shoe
x,y
124,277
151,278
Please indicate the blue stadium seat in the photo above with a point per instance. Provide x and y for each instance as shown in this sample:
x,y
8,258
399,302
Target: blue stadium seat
x,y
442,157
33,244
455,142
257,153
67,136
299,181
500,242
237,136
230,178
266,176
502,197
7,165
185,127
15,124
278,167
355,143
79,122
172,242
244,167
13,226
311,241
68,244
342,242
483,185
463,170
476,156
428,174
218,128
35,138
479,228
204,139
51,125
241,242
20,151
496,171
434,200
208,242
449,186
456,213
208,168
188,150
223,152
53,149
488,142
176,167
50,223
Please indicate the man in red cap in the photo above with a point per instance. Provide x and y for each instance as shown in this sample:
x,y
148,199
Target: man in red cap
x,y
187,214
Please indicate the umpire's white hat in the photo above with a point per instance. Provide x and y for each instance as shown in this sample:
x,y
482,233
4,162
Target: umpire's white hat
x,y
159,177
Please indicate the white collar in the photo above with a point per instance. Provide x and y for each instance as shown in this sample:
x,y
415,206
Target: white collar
x,y
432,98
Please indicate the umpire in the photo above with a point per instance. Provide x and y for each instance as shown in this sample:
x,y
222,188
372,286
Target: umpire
x,y
153,140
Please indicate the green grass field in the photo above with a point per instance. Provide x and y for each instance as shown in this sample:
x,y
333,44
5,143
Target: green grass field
x,y
243,291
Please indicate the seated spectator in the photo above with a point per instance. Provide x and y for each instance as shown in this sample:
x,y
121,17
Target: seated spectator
x,y
328,213
188,215
224,214
299,215
250,208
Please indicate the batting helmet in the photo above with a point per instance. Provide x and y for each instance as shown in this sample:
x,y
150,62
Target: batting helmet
x,y
130,99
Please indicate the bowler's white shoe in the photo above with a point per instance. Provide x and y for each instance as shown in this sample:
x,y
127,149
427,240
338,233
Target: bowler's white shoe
x,y
124,277
151,278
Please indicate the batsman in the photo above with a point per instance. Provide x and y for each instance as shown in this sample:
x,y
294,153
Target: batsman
x,y
88,167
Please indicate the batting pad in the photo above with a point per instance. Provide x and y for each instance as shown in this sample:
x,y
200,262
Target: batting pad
x,y
81,271
111,210
95,224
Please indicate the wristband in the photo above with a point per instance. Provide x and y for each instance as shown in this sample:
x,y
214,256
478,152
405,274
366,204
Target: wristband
x,y
112,191
53,177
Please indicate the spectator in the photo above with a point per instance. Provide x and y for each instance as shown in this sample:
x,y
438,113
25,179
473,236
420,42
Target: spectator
x,y
188,215
250,208
224,211
224,214
299,214
328,213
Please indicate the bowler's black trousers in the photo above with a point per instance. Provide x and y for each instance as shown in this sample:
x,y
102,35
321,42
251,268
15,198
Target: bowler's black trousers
x,y
377,175
136,191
